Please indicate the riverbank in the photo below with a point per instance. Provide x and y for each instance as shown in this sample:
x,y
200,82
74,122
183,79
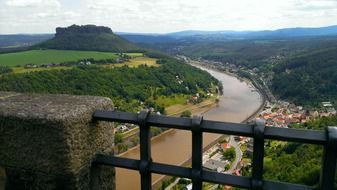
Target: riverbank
x,y
195,109
259,89
173,147
186,162
174,110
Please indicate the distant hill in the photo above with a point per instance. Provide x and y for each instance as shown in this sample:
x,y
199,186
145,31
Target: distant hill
x,y
308,77
197,35
19,40
147,38
295,32
87,37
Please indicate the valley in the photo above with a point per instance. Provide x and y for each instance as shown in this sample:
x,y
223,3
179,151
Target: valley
x,y
289,81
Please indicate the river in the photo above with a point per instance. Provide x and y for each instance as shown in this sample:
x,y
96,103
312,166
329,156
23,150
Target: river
x,y
238,102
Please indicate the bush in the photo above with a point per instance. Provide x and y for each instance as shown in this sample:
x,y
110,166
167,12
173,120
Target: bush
x,y
5,69
186,113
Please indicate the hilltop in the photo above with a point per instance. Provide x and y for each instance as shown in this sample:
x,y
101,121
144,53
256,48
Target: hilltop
x,y
87,37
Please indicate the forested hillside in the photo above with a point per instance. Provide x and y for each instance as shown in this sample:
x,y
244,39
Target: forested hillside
x,y
301,70
128,87
294,162
87,37
308,77
19,40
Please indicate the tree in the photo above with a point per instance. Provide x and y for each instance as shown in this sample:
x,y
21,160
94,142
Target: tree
x,y
186,113
4,69
118,138
229,154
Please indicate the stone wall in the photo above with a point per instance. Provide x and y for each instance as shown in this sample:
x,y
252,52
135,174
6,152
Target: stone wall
x,y
49,141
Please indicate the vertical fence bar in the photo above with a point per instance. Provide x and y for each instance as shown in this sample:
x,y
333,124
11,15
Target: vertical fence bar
x,y
329,160
145,150
196,152
258,154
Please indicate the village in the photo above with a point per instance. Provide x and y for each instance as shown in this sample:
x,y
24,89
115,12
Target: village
x,y
278,114
284,114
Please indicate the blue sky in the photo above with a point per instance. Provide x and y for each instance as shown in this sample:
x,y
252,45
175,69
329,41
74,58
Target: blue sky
x,y
160,16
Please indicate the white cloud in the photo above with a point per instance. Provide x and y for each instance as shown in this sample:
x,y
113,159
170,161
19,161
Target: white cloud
x,y
165,15
33,3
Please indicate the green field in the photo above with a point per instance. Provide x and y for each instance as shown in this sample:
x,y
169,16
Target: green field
x,y
134,62
166,101
39,57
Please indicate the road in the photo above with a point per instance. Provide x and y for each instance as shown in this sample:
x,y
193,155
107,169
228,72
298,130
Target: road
x,y
238,155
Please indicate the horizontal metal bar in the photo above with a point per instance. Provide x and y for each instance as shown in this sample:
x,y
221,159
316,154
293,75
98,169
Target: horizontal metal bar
x,y
245,182
133,164
275,185
170,170
170,122
272,133
207,176
127,163
226,179
296,135
116,116
227,128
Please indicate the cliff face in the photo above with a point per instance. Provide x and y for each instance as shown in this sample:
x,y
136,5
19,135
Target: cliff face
x,y
76,29
87,37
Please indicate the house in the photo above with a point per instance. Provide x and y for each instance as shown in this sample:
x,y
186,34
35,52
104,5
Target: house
x,y
331,111
226,146
326,104
189,186
30,66
237,172
215,165
122,128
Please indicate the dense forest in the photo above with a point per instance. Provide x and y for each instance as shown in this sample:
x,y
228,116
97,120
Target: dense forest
x,y
307,78
249,53
87,37
294,162
302,69
128,87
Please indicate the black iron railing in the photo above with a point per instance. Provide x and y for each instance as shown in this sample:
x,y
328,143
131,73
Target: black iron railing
x,y
197,125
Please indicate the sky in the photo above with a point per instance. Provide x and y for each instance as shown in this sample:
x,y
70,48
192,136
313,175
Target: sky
x,y
162,16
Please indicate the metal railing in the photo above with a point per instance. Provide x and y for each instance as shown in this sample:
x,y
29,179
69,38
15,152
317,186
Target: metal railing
x,y
197,126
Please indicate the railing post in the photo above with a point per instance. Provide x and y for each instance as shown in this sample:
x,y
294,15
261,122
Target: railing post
x,y
145,150
258,154
196,152
329,160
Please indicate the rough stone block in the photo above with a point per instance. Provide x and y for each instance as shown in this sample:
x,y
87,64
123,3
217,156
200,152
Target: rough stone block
x,y
49,141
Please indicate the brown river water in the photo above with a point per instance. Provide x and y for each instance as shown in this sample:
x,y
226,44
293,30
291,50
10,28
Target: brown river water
x,y
238,102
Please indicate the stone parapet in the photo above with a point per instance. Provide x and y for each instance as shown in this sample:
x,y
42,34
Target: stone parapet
x,y
49,141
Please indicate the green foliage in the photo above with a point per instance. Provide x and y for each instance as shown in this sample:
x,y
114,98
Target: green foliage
x,y
294,162
118,137
303,69
4,70
127,87
186,113
229,154
39,57
308,78
121,147
87,38
156,131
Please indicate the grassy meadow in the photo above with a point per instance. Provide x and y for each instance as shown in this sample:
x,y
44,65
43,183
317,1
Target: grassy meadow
x,y
39,57
135,62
